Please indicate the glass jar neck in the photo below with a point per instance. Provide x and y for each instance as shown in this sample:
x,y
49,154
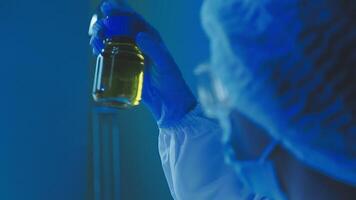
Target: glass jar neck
x,y
122,45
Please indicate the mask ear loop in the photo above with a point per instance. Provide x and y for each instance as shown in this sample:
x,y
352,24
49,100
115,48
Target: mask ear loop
x,y
268,151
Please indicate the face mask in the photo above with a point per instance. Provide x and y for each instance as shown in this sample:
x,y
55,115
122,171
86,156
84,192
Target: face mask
x,y
258,175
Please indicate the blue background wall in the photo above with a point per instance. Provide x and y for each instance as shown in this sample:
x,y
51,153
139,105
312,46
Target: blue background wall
x,y
44,99
45,103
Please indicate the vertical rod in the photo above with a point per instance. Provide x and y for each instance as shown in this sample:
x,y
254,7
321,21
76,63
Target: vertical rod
x,y
105,149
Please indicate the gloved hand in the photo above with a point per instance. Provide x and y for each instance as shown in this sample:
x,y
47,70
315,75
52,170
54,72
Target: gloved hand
x,y
164,91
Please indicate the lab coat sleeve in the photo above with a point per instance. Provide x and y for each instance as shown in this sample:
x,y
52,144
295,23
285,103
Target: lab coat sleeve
x,y
192,156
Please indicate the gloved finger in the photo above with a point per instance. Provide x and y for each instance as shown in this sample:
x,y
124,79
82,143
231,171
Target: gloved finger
x,y
97,45
121,7
98,36
124,25
115,7
110,28
154,48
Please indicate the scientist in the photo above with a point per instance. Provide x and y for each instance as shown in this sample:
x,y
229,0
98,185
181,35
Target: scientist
x,y
276,112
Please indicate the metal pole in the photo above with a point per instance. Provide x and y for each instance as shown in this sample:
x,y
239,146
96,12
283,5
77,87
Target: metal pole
x,y
105,149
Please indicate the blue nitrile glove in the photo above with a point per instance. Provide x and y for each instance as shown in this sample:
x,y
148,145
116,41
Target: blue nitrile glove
x,y
164,90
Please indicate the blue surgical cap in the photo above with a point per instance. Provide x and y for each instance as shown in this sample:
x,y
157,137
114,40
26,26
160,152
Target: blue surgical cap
x,y
290,67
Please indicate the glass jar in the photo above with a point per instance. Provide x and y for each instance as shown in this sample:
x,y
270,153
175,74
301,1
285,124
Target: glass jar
x,y
119,72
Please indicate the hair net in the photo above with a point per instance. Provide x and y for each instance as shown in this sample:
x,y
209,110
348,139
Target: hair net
x,y
290,67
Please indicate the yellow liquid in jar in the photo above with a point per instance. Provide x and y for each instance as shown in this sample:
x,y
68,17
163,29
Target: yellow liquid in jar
x,y
119,75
